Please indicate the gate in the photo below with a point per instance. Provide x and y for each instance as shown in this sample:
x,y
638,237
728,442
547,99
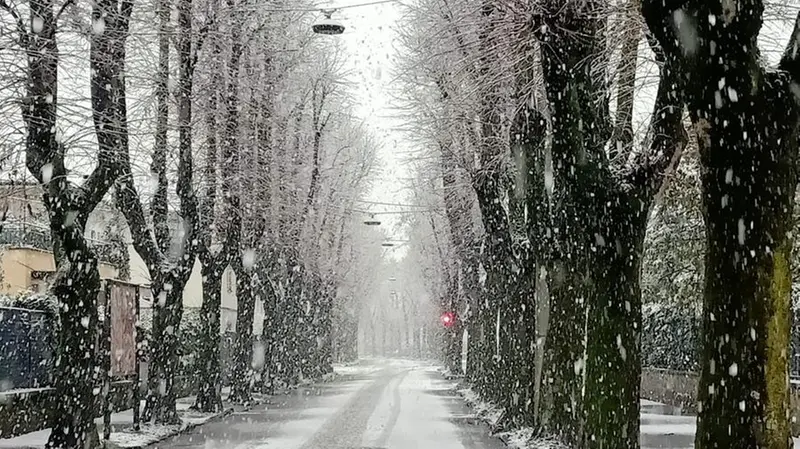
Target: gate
x,y
25,348
120,343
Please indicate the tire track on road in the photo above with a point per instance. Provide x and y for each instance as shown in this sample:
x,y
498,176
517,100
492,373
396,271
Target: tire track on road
x,y
346,427
395,413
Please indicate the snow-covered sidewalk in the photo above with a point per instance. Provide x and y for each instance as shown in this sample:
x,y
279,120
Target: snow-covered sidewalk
x,y
662,426
122,434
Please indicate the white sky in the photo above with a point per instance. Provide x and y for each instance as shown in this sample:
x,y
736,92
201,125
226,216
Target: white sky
x,y
370,40
370,36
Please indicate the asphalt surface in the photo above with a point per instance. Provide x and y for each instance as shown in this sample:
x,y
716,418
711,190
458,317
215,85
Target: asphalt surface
x,y
387,405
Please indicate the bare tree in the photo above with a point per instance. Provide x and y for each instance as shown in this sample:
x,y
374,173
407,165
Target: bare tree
x,y
168,277
77,281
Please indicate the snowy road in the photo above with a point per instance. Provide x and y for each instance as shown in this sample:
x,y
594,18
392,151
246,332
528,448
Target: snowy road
x,y
390,404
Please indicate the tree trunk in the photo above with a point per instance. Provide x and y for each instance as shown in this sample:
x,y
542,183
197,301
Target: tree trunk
x,y
489,184
471,279
462,238
77,282
282,325
158,167
315,298
209,397
561,413
494,309
452,335
743,393
168,285
613,356
167,311
293,322
580,182
242,378
213,265
570,91
747,127
529,130
270,338
326,325
615,318
77,279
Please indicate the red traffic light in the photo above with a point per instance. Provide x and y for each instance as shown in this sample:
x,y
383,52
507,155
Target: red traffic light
x,y
448,319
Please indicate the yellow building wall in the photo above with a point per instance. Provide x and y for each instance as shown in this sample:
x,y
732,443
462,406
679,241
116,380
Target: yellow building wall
x,y
17,264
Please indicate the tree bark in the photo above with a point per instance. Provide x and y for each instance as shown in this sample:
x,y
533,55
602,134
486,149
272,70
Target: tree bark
x,y
497,258
269,335
463,240
747,121
168,285
601,217
209,397
529,128
167,311
615,317
242,379
168,280
77,281
576,148
158,166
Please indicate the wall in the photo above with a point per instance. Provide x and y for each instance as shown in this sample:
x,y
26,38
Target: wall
x,y
192,293
26,411
24,202
18,263
676,388
679,389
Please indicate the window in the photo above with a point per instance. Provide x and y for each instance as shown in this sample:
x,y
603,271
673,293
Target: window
x,y
230,281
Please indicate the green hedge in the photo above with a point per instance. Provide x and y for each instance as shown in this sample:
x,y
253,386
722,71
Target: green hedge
x,y
670,338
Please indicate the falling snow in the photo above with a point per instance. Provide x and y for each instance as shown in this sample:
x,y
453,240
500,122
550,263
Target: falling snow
x,y
402,224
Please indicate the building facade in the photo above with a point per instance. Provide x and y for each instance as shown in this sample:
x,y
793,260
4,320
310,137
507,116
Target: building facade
x,y
26,262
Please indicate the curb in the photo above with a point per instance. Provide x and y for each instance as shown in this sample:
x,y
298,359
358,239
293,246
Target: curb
x,y
191,426
185,429
501,435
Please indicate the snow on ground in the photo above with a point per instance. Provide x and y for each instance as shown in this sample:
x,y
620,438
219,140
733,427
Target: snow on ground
x,y
21,391
372,365
397,407
290,429
385,411
152,433
518,438
355,370
149,433
418,413
662,426
327,377
29,440
485,410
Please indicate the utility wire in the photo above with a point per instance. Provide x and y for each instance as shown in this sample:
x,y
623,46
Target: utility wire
x,y
356,5
378,203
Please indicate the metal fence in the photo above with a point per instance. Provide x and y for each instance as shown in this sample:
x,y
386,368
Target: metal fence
x,y
37,236
25,348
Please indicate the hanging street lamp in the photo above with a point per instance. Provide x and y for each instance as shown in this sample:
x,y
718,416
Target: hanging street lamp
x,y
328,25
